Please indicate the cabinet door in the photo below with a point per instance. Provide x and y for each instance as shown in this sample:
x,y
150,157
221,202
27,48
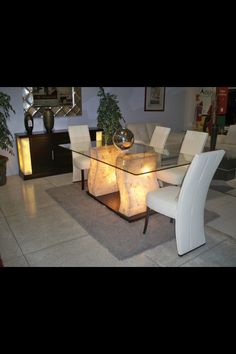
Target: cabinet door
x,y
62,157
41,154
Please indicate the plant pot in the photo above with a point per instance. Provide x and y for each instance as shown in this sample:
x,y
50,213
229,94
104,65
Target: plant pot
x,y
3,170
48,120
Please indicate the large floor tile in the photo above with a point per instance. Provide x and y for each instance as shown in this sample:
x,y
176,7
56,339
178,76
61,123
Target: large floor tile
x,y
60,180
225,224
232,183
45,228
232,192
137,261
16,262
48,236
27,199
83,252
9,247
166,255
15,183
214,237
221,203
42,181
222,255
12,182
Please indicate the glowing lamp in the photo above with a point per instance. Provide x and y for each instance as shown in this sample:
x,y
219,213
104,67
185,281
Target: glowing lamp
x,y
134,188
24,156
99,138
102,176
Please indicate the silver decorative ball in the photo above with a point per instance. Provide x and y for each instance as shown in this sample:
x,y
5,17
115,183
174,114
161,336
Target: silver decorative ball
x,y
123,138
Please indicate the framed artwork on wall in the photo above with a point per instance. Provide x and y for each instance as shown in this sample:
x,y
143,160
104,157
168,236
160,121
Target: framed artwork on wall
x,y
154,99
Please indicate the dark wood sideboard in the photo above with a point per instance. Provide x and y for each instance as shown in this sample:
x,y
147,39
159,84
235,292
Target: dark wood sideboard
x,y
47,158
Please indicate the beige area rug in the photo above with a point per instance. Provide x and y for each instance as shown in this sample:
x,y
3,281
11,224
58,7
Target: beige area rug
x,y
227,187
121,238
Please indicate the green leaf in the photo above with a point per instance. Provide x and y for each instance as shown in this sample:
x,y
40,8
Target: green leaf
x,y
109,114
6,138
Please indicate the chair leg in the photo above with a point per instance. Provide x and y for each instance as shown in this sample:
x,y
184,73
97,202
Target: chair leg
x,y
146,220
82,175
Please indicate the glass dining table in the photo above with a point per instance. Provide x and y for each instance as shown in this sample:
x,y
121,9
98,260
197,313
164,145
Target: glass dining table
x,y
121,179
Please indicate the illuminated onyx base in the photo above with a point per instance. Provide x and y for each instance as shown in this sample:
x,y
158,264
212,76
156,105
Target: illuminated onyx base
x,y
133,189
104,179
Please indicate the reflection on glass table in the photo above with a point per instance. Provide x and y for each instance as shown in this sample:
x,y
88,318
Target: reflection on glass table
x,y
121,179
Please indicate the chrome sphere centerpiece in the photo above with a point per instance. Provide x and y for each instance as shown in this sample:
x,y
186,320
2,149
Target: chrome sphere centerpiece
x,y
123,138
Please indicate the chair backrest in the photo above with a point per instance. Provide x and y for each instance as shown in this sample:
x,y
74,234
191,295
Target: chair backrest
x,y
192,198
79,133
230,137
159,137
193,142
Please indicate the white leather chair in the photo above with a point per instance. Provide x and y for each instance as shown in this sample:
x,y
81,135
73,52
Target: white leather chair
x,y
159,137
158,141
186,204
81,164
192,144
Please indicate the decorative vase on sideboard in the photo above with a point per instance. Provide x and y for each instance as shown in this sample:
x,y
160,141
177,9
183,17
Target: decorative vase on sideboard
x,y
29,123
48,120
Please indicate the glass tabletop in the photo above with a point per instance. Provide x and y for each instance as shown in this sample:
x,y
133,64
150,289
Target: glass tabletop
x,y
138,160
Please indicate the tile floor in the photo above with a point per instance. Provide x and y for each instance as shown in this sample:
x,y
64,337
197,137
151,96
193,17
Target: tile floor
x,y
36,232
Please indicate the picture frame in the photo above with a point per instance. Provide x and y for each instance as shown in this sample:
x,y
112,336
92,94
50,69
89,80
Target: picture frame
x,y
154,99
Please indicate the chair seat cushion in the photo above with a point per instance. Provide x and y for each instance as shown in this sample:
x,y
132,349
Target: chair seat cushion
x,y
82,162
164,200
172,175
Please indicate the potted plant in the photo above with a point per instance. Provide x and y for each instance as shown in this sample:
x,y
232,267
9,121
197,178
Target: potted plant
x,y
109,114
6,138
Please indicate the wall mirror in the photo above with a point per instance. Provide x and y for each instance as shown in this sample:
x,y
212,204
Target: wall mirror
x,y
64,101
